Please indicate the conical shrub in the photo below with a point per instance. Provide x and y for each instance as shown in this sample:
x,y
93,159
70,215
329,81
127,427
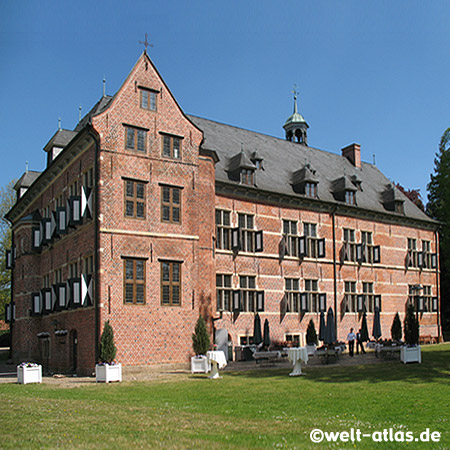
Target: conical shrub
x,y
107,347
200,338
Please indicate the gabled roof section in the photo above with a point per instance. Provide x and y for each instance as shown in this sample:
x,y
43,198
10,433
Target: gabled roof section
x,y
343,184
98,108
60,139
305,175
27,179
240,161
281,157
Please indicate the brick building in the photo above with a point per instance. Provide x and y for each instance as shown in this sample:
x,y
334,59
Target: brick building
x,y
146,217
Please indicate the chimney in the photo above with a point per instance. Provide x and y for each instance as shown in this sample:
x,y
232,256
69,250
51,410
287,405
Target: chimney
x,y
353,153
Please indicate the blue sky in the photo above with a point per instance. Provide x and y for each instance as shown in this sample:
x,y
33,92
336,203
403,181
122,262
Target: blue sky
x,y
375,73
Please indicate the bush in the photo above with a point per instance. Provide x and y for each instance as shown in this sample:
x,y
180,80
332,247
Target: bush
x,y
311,335
200,338
396,329
107,347
411,327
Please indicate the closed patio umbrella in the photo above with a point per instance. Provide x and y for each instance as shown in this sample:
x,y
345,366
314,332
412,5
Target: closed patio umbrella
x,y
257,335
376,331
266,334
322,327
364,330
330,334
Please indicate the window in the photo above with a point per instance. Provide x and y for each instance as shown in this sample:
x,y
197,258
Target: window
x,y
292,293
58,276
293,339
350,198
290,232
148,99
170,204
367,246
223,229
246,227
223,292
46,281
368,297
427,299
134,199
349,245
73,270
245,340
88,178
311,189
310,231
171,146
134,281
88,265
313,295
73,190
412,294
170,283
247,284
426,250
136,139
412,253
350,296
247,177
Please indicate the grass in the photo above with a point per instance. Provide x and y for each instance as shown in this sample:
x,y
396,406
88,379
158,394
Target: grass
x,y
263,408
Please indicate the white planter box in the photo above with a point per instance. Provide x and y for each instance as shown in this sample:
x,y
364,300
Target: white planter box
x,y
311,349
27,375
411,354
106,373
200,364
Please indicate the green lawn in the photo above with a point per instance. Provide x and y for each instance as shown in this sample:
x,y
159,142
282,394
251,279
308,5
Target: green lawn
x,y
256,409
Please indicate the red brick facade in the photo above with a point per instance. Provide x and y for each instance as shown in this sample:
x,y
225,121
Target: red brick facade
x,y
151,332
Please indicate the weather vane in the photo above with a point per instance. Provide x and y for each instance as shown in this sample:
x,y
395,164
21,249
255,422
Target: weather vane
x,y
146,43
294,91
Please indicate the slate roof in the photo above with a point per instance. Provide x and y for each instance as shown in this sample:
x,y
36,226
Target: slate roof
x,y
27,179
98,108
283,158
60,139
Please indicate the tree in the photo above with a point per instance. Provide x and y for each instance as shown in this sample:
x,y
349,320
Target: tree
x,y
396,329
107,347
200,338
411,327
413,194
311,335
438,208
7,201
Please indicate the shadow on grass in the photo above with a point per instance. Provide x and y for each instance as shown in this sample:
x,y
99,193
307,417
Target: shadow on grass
x,y
435,367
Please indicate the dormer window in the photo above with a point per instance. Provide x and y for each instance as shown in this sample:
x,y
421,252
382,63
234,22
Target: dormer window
x,y
393,199
242,169
344,190
350,197
311,189
305,181
247,177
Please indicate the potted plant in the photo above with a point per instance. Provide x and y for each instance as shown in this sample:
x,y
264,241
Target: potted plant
x,y
311,338
200,344
28,372
411,351
396,329
108,370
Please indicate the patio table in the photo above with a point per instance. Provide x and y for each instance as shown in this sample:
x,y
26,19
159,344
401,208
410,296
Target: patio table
x,y
297,355
218,361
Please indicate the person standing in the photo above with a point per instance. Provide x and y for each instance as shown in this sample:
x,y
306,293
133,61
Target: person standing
x,y
359,342
351,341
